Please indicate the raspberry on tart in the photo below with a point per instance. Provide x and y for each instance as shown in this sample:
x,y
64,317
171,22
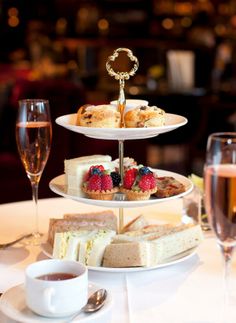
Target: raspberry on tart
x,y
99,184
139,183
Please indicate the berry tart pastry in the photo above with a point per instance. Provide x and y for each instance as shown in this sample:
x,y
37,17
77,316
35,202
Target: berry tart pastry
x,y
100,184
139,183
168,186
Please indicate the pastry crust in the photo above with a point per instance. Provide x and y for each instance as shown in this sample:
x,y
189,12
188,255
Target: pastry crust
x,y
137,195
144,116
101,195
98,116
168,186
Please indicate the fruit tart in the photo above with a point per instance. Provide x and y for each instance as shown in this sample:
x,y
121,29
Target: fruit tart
x,y
139,183
100,184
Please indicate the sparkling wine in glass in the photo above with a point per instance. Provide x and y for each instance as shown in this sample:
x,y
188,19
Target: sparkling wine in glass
x,y
220,197
33,138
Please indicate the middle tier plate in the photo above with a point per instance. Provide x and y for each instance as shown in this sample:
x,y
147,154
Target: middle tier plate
x,y
58,186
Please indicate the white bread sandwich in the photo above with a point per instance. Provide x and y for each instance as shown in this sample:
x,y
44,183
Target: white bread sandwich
x,y
76,168
92,251
66,244
156,249
87,247
82,221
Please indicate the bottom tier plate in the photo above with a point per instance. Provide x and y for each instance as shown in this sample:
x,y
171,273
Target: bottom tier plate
x,y
47,250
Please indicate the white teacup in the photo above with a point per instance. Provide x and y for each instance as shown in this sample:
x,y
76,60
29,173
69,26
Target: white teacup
x,y
49,297
131,103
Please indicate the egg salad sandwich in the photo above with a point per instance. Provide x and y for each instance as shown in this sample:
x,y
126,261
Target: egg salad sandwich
x,y
84,246
66,244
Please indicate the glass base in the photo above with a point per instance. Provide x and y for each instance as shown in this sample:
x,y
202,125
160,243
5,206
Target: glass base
x,y
35,239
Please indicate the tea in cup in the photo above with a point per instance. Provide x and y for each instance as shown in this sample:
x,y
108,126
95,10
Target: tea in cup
x,y
56,288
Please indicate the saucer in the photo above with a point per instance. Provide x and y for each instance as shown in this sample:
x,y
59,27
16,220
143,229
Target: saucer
x,y
13,305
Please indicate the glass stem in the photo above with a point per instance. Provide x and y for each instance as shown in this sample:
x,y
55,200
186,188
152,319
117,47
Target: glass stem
x,y
35,186
227,252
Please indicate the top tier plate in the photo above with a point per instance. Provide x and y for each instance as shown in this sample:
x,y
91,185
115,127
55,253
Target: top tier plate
x,y
173,121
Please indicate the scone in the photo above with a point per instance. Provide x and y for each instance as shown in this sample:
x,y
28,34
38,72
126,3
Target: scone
x,y
144,116
98,116
139,183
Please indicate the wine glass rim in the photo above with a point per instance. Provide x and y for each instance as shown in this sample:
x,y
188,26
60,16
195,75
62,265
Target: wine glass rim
x,y
33,100
223,134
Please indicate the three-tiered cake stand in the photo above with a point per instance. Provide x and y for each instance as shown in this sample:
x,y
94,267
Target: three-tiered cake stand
x,y
173,121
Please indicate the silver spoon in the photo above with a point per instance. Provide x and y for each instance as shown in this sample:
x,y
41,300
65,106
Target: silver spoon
x,y
94,303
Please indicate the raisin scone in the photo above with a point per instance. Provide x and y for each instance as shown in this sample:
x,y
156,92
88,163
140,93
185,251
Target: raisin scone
x,y
168,186
98,116
144,116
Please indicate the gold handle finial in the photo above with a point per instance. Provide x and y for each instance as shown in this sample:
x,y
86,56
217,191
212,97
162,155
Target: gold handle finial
x,y
122,76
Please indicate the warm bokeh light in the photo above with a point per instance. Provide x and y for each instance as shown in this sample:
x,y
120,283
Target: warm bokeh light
x,y
183,8
12,12
168,23
233,21
83,13
186,22
61,26
223,9
204,5
13,21
134,90
220,30
72,64
103,24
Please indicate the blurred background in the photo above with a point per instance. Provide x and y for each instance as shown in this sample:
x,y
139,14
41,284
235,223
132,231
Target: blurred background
x,y
57,50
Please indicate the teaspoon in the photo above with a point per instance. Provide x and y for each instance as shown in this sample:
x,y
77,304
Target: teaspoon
x,y
94,303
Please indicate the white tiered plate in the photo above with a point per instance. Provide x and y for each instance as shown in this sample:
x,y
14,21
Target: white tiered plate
x,y
173,121
13,305
47,250
58,186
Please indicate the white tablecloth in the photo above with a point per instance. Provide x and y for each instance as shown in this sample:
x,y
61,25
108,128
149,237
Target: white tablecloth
x,y
187,292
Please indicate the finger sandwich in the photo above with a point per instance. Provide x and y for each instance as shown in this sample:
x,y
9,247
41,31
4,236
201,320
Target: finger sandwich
x,y
86,247
132,250
82,221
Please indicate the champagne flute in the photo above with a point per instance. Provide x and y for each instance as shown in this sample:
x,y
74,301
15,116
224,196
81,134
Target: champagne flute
x,y
220,198
33,138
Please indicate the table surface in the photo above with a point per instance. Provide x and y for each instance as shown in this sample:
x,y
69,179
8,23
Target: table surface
x,y
187,292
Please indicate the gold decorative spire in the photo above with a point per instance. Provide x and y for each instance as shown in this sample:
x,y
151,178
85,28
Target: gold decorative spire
x,y
122,76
